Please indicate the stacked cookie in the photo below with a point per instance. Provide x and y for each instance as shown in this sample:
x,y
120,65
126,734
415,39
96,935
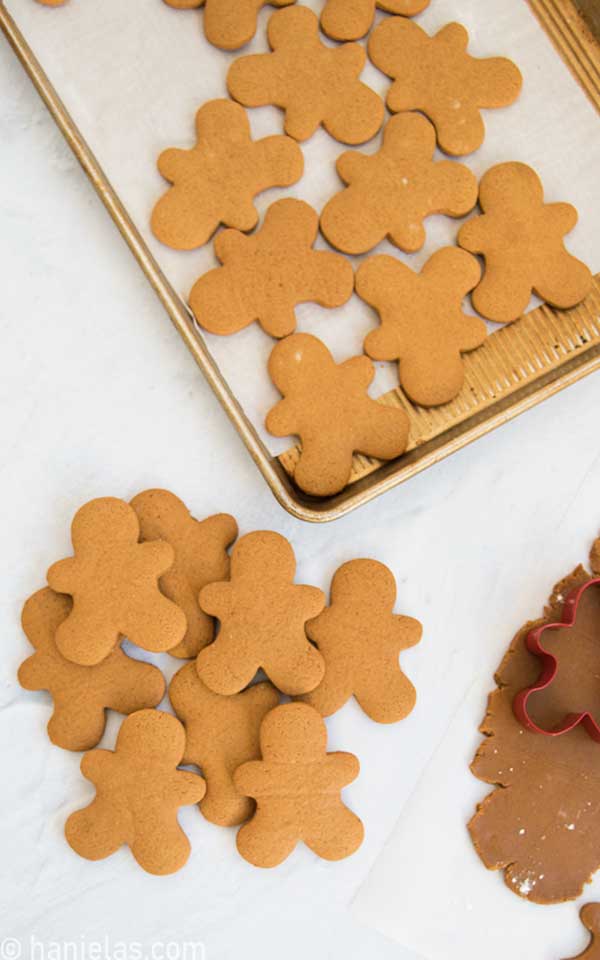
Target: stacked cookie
x,y
150,572
436,97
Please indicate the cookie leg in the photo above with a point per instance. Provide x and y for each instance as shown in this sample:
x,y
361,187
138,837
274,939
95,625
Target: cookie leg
x,y
337,834
160,845
264,842
222,670
298,674
72,728
387,696
98,830
334,690
223,804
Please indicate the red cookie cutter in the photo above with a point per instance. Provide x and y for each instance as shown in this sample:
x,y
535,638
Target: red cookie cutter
x,y
549,669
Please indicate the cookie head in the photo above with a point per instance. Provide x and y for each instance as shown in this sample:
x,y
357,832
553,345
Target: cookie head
x,y
352,579
292,732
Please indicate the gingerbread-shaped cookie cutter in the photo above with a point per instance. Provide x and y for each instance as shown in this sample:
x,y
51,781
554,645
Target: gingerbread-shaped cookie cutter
x,y
534,643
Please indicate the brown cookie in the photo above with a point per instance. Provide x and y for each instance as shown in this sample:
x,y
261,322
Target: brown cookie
x,y
361,638
327,405
352,19
216,181
52,3
200,557
262,613
265,276
113,580
437,76
315,84
590,918
138,793
521,240
221,733
423,326
81,695
540,823
297,787
229,24
390,193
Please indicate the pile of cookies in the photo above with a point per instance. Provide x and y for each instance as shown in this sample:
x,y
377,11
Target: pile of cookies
x,y
435,99
148,571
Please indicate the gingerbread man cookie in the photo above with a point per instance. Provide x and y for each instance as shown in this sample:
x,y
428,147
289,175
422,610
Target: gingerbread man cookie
x,y
328,407
138,793
422,322
437,76
81,695
262,613
521,240
590,918
390,193
216,181
297,787
264,276
361,638
228,24
200,557
113,580
315,84
221,733
352,19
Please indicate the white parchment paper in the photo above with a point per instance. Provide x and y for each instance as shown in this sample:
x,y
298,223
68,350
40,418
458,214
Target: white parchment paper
x,y
134,72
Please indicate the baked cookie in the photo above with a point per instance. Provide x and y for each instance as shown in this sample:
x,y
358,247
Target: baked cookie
x,y
221,733
262,613
314,84
361,638
216,181
539,823
352,19
390,193
327,405
228,24
423,326
138,793
437,76
200,557
113,580
297,787
521,240
81,695
265,276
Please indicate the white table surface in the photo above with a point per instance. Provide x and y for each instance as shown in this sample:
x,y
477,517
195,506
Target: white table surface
x,y
100,397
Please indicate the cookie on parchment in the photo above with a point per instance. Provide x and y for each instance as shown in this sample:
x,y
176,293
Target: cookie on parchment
x,y
328,407
391,192
200,557
297,787
113,580
264,276
313,83
138,793
216,181
437,76
81,695
228,24
221,733
361,638
423,326
352,19
262,613
521,240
